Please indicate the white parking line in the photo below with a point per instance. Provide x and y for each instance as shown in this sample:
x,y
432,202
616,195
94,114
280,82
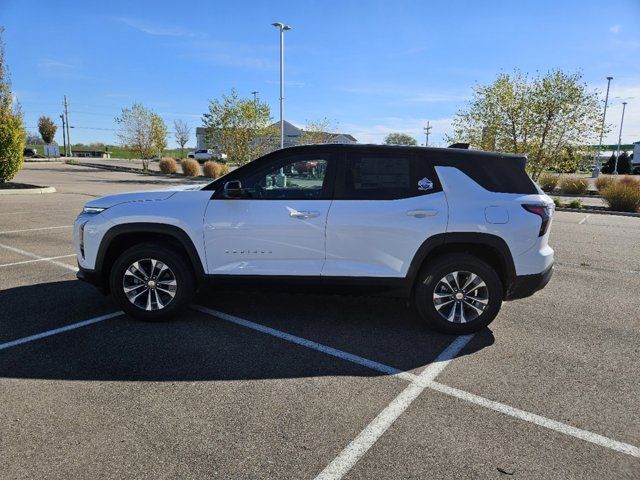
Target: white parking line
x,y
346,459
584,219
44,259
308,343
36,229
428,382
38,257
55,331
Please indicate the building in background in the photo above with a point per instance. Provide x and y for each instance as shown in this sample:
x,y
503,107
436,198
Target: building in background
x,y
292,136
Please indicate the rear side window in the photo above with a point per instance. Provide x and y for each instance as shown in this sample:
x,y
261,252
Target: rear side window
x,y
384,177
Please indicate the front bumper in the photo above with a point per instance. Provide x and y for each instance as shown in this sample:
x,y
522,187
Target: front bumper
x,y
93,277
526,285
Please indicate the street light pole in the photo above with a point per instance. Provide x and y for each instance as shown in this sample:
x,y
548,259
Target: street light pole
x,y
64,136
255,97
615,170
604,116
282,27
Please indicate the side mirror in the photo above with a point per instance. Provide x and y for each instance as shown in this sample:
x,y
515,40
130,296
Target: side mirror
x,y
233,189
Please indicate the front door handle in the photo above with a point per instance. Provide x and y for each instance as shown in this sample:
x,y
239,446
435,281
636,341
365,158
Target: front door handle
x,y
422,213
304,214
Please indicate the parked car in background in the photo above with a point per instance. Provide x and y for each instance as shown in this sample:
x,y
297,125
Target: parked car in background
x,y
204,155
30,152
454,231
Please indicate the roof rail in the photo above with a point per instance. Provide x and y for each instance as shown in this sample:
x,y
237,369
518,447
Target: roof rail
x,y
464,146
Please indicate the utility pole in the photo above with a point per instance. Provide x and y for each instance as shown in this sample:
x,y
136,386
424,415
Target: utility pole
x,y
615,169
282,27
66,115
604,116
427,131
64,136
255,97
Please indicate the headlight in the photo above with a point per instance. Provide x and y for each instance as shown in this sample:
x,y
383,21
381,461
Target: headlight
x,y
93,210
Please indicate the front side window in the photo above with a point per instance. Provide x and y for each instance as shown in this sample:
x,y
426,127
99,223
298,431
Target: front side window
x,y
300,178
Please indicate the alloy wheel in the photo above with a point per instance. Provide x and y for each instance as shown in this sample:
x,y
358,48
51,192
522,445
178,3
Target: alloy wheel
x,y
149,284
460,297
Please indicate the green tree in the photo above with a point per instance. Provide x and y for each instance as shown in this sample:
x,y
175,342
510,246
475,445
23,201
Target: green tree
x,y
240,127
47,129
624,164
609,165
398,138
541,117
142,131
12,132
318,131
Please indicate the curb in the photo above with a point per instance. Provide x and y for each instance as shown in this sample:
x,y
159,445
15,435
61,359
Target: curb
x,y
139,171
27,191
597,211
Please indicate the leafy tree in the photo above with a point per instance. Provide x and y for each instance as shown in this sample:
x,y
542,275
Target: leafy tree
x,y
142,131
399,138
539,116
182,132
240,127
316,132
47,129
607,168
12,132
624,164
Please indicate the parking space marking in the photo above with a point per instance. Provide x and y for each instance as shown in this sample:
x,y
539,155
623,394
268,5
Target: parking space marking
x,y
427,381
44,259
38,257
307,343
36,229
56,331
346,459
584,219
538,420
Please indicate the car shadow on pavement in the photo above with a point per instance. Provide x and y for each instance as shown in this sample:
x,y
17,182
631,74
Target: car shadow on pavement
x,y
200,347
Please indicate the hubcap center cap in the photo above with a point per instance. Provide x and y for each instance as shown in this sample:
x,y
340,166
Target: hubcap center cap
x,y
459,296
151,284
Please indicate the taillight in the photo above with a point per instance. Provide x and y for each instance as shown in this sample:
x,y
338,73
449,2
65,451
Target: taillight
x,y
544,212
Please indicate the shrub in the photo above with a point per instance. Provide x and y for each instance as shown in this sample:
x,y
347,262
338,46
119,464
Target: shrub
x,y
630,181
573,185
12,141
603,182
575,203
622,197
190,167
213,169
624,164
557,202
168,165
548,182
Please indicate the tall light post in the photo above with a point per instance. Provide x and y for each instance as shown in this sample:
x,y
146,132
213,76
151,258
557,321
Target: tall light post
x,y
604,116
282,27
427,131
615,170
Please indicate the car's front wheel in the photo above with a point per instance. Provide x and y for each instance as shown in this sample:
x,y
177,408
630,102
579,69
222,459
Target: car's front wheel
x,y
152,282
458,294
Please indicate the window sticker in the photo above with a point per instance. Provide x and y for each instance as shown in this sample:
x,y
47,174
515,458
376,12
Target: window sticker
x,y
425,184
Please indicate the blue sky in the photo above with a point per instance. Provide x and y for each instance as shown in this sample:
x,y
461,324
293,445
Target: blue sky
x,y
372,67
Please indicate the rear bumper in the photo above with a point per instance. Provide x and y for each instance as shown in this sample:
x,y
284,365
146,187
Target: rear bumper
x,y
526,285
93,277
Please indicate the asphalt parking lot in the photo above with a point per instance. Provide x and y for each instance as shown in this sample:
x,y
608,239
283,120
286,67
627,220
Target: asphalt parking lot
x,y
283,385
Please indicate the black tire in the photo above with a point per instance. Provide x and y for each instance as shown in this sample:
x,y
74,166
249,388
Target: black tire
x,y
179,267
429,279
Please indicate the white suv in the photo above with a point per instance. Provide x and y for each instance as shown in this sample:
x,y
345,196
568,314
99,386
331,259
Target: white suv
x,y
456,231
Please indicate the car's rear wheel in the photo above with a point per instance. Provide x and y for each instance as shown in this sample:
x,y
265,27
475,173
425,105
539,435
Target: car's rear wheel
x,y
152,282
458,294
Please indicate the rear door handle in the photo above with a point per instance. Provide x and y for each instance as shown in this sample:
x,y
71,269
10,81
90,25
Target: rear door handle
x,y
422,213
304,214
